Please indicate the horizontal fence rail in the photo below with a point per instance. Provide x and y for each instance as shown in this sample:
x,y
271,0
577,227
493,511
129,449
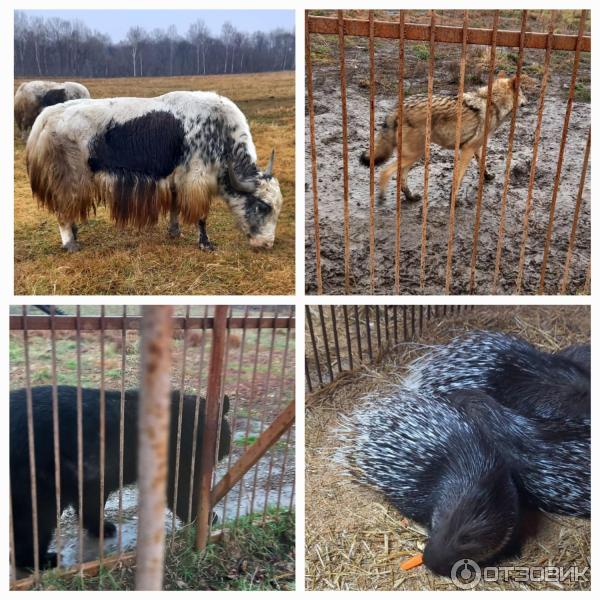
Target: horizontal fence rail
x,y
250,407
365,276
341,339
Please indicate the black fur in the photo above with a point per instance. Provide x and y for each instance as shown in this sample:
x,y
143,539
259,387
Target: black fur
x,y
151,146
580,354
44,457
52,97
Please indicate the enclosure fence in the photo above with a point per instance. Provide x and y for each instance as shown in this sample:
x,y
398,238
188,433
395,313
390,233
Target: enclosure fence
x,y
434,34
237,355
345,338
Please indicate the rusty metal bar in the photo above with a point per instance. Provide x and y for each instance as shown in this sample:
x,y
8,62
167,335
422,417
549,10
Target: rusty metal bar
x,y
31,444
357,325
102,440
368,326
511,139
378,327
336,341
457,144
313,152
348,340
536,142
122,432
445,34
372,152
486,132
314,344
342,52
325,341
395,310
153,445
405,322
211,424
561,152
56,436
307,375
179,417
254,453
399,149
283,467
387,325
79,437
586,158
69,323
236,400
427,151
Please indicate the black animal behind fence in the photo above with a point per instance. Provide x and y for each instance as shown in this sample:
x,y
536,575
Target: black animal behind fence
x,y
74,411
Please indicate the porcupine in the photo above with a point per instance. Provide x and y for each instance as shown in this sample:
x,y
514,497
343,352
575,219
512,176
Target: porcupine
x,y
439,469
515,373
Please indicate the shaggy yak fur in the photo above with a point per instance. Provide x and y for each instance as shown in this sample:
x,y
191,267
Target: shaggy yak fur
x,y
33,96
143,157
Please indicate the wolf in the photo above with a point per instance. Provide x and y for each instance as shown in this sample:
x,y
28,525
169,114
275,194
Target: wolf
x,y
443,129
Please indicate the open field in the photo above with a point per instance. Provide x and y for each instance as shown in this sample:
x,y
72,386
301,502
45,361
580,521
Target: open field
x,y
129,261
328,130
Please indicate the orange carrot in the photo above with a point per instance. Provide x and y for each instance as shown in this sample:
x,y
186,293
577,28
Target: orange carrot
x,y
411,563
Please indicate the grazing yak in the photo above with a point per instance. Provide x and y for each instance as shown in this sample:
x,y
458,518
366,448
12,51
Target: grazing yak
x,y
33,96
143,157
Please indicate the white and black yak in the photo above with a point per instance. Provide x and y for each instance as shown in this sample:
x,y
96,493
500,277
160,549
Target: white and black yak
x,y
33,96
143,157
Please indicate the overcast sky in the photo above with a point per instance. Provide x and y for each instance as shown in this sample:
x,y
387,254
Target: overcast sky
x,y
116,23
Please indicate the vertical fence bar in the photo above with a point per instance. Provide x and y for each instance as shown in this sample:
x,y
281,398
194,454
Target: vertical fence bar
x,y
536,143
325,342
357,324
586,157
387,324
561,152
427,151
368,326
486,132
153,444
313,152
314,344
378,327
211,424
79,441
342,52
56,434
457,144
335,338
511,139
395,324
283,468
399,149
372,150
102,440
348,340
307,375
122,429
31,444
405,322
179,418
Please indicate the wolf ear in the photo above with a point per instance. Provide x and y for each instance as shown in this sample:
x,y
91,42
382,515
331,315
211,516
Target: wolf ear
x,y
501,75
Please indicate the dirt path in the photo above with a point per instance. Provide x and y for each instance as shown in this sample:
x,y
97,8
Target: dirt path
x,y
330,189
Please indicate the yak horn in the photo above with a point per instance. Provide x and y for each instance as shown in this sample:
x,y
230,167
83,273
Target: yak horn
x,y
245,187
269,171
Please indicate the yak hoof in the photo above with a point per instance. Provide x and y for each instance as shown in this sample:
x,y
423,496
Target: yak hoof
x,y
173,231
72,246
488,176
208,246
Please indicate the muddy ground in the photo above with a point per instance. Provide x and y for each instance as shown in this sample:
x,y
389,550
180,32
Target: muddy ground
x,y
330,182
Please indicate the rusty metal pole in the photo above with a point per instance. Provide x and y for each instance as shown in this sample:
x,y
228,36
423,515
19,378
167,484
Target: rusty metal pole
x,y
211,425
153,449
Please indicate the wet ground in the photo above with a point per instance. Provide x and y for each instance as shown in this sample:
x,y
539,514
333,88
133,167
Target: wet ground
x,y
330,187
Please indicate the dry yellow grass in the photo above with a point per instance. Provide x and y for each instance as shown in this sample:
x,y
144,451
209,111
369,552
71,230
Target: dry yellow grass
x,y
355,540
133,262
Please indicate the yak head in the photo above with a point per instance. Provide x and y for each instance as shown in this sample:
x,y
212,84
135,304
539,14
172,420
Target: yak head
x,y
256,203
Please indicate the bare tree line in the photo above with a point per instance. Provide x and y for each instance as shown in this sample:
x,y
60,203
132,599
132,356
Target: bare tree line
x,y
56,47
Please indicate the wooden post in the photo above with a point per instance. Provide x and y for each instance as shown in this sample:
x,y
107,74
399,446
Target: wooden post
x,y
153,448
211,425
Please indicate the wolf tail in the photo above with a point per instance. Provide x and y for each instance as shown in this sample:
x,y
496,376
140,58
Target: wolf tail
x,y
384,144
